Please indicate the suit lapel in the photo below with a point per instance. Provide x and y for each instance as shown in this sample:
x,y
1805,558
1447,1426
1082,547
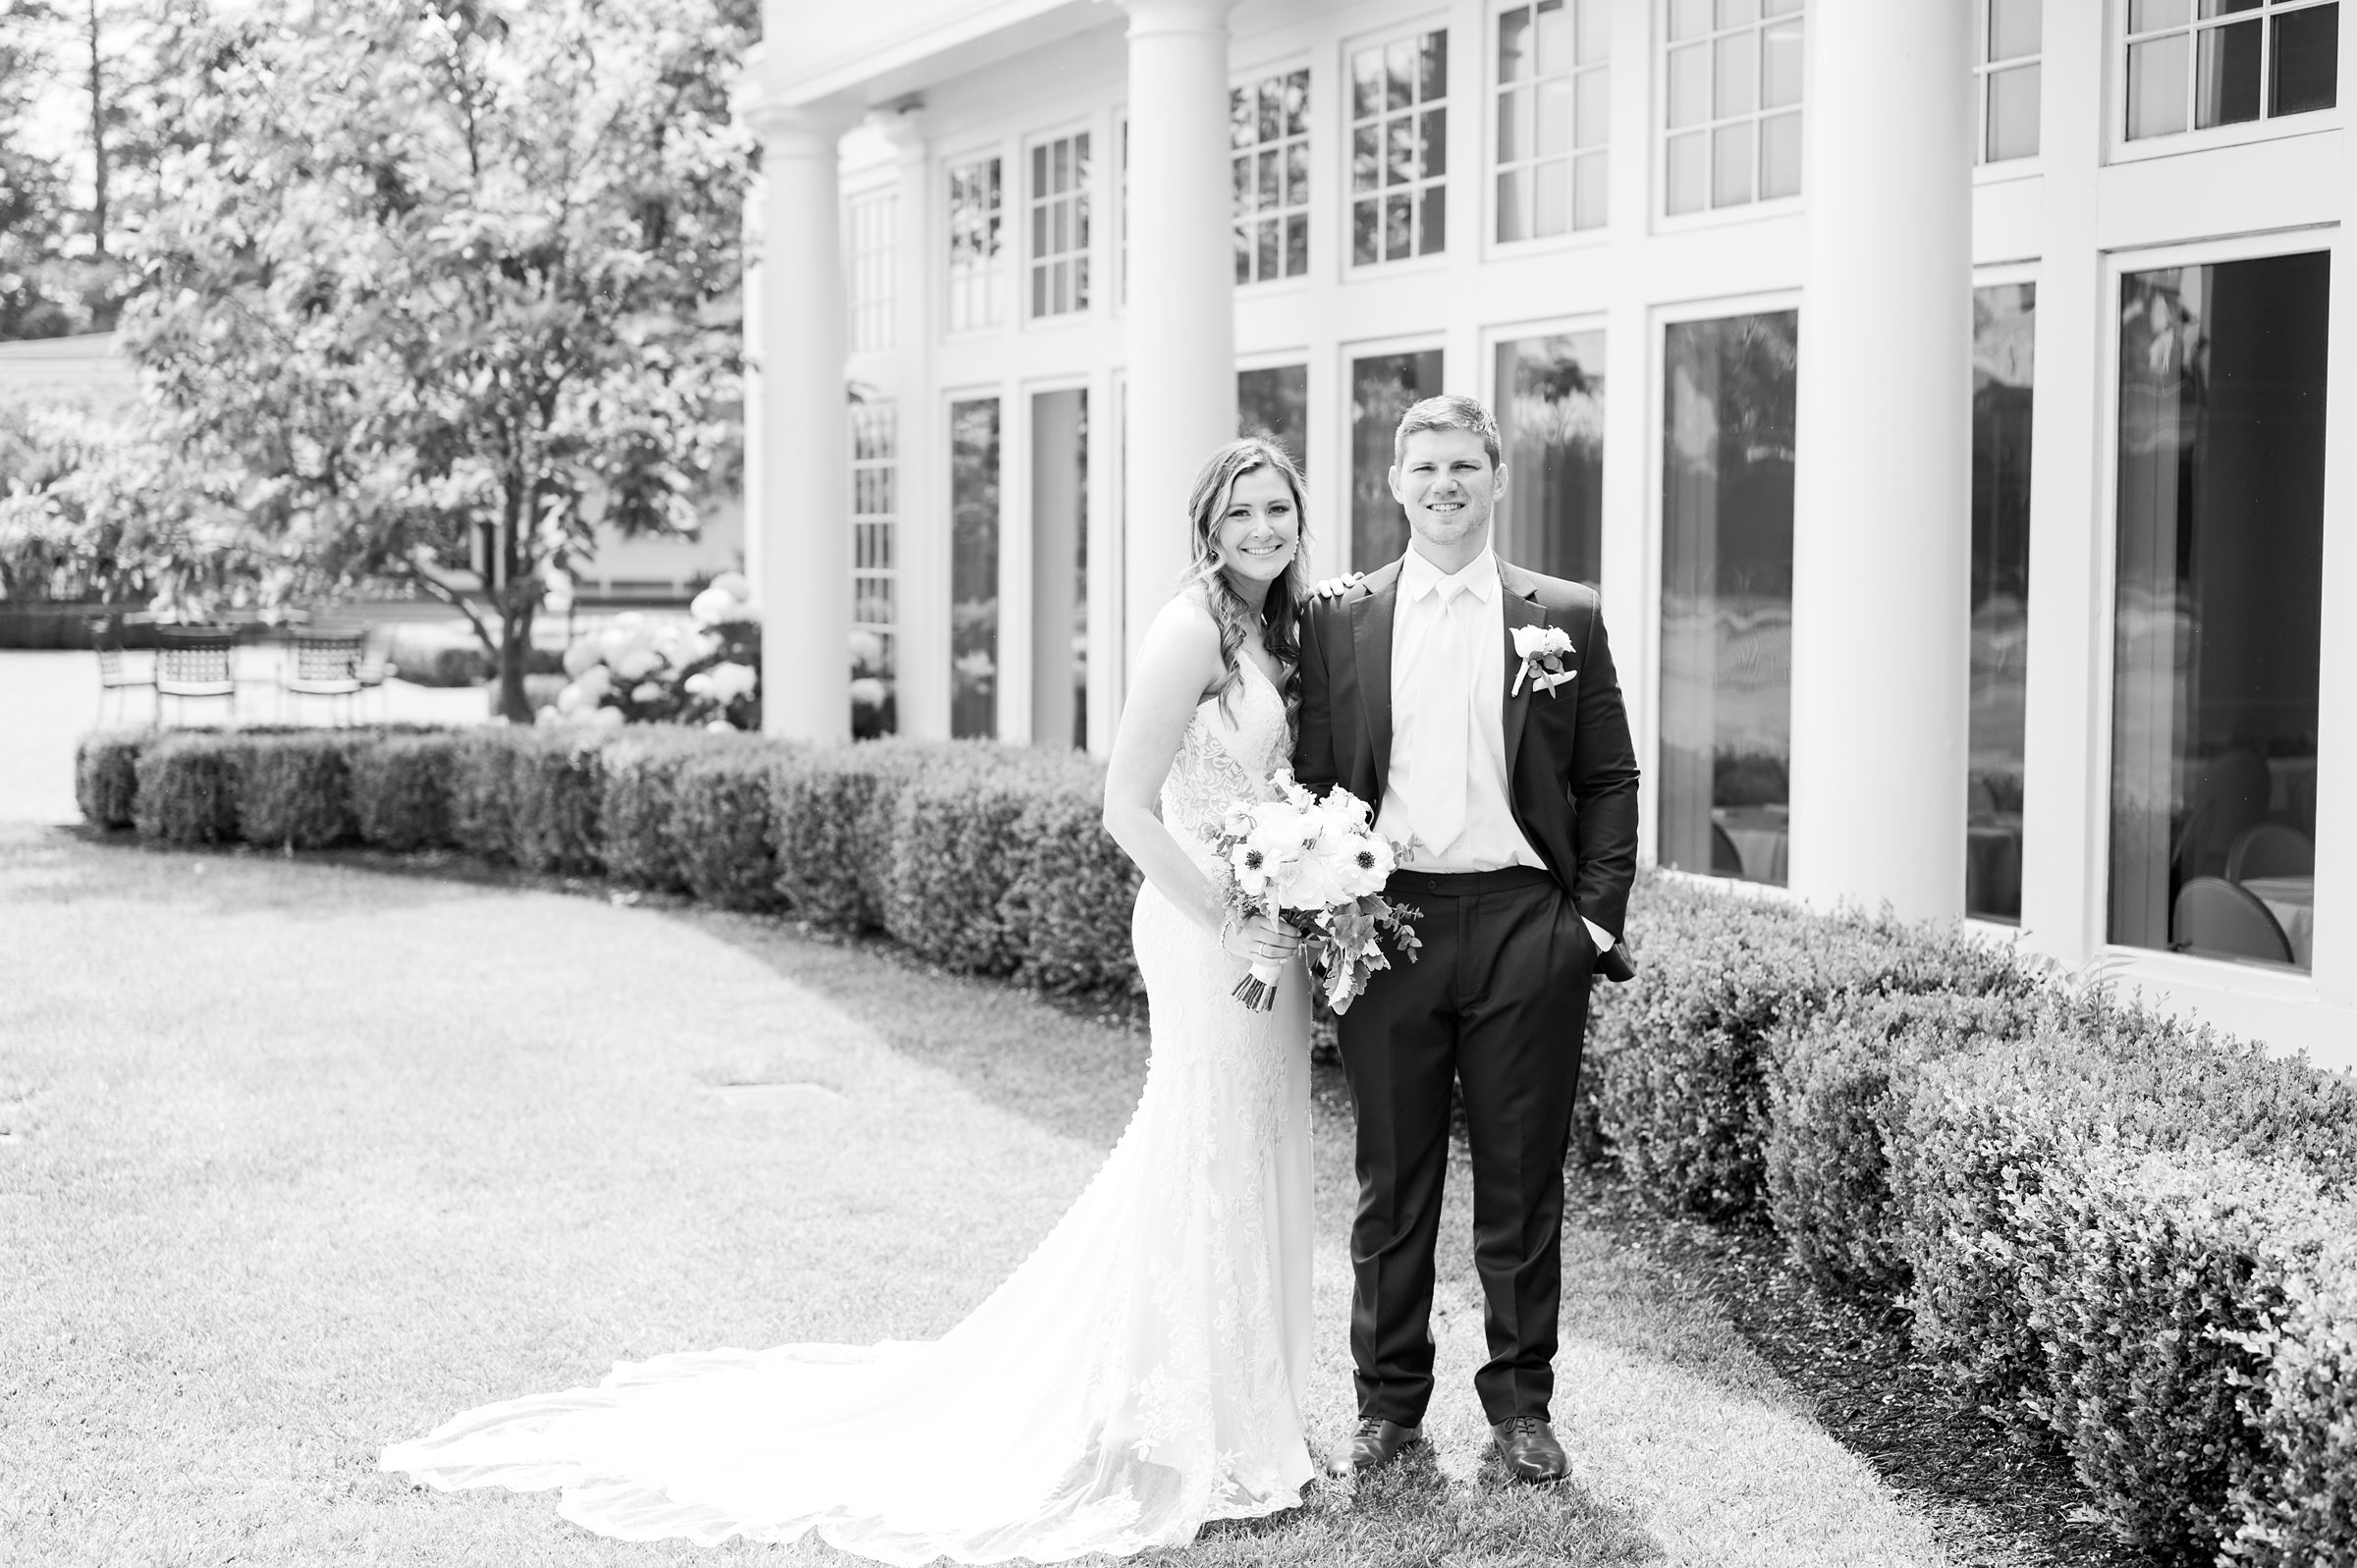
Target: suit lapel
x,y
1371,650
1521,609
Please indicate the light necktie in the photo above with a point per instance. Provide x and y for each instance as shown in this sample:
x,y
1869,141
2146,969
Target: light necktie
x,y
1449,750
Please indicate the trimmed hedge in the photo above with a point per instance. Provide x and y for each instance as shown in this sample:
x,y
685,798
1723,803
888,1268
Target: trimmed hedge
x,y
1677,1065
400,792
720,830
2112,1231
106,777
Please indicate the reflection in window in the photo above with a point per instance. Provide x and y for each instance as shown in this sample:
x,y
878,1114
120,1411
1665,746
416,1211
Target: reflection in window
x,y
974,218
1553,117
1060,226
1268,136
1274,402
1060,567
974,567
2216,624
1550,414
1399,149
875,514
2004,78
2191,66
1383,387
1726,595
2004,319
1733,108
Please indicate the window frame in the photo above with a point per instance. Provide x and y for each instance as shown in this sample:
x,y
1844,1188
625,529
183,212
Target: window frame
x,y
1642,648
1984,168
1490,93
893,573
945,257
2120,148
1346,350
2121,960
882,310
1083,194
1658,135
1348,193
1248,80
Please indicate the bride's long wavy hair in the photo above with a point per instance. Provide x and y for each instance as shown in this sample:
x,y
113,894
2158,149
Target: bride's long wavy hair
x,y
1281,615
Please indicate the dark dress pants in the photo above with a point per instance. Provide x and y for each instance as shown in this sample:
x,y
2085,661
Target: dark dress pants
x,y
1497,1000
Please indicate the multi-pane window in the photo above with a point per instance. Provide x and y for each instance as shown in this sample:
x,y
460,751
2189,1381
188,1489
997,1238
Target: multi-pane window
x,y
976,214
2195,64
2004,78
874,219
1733,105
1268,136
1553,117
875,511
1058,206
1399,148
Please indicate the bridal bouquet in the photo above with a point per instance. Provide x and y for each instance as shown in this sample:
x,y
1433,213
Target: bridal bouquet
x,y
1319,866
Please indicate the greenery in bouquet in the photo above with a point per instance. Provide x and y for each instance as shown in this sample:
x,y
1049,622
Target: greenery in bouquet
x,y
706,670
1319,865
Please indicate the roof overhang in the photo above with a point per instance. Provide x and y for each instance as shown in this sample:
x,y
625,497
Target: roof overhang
x,y
869,55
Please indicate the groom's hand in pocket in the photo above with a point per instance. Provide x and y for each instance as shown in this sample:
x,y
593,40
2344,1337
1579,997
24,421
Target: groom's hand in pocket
x,y
1335,587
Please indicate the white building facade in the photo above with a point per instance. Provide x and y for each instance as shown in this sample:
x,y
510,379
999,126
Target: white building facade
x,y
1953,401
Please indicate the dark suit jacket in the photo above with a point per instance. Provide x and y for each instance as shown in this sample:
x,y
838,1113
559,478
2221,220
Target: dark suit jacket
x,y
1571,768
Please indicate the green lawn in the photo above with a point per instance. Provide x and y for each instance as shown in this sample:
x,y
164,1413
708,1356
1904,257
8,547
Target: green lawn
x,y
299,1159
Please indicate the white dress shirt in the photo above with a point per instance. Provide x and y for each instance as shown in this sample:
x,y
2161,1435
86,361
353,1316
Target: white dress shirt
x,y
1423,706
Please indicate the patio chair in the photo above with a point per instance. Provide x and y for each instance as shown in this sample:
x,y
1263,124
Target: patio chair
x,y
323,664
115,678
2271,850
2214,917
194,662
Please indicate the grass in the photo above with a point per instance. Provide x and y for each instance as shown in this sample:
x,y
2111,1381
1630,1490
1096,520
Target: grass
x,y
300,1158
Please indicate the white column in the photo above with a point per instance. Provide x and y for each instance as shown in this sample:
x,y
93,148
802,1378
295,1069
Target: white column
x,y
1881,534
1181,309
800,512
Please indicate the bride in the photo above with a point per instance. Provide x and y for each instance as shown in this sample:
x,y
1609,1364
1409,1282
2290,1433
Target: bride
x,y
1144,1369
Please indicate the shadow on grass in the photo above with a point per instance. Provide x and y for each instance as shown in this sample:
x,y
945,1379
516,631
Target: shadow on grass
x,y
1412,1516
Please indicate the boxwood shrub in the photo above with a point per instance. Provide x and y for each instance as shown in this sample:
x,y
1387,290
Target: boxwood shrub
x,y
186,791
1070,894
295,790
106,780
639,776
720,829
834,810
400,792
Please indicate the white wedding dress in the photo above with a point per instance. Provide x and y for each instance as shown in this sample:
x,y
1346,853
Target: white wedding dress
x,y
1142,1373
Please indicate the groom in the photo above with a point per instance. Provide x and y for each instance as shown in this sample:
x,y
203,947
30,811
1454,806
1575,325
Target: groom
x,y
1427,688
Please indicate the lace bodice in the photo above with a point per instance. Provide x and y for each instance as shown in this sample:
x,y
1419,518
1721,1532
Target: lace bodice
x,y
1226,756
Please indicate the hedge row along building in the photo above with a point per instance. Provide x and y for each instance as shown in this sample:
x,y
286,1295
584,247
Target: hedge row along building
x,y
1946,397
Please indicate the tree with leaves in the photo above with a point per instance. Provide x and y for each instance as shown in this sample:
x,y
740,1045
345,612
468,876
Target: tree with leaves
x,y
446,284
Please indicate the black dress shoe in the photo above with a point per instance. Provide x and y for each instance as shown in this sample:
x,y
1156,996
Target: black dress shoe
x,y
1376,1443
1528,1445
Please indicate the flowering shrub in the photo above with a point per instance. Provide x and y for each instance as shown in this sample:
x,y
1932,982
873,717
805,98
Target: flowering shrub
x,y
639,671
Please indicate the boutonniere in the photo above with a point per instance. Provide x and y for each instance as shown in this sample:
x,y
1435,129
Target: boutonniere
x,y
1541,650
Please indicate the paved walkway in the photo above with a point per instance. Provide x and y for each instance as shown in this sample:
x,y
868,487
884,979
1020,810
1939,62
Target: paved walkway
x,y
300,1157
50,700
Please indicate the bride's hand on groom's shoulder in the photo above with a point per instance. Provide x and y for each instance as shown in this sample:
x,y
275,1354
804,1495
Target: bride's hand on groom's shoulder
x,y
1335,587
